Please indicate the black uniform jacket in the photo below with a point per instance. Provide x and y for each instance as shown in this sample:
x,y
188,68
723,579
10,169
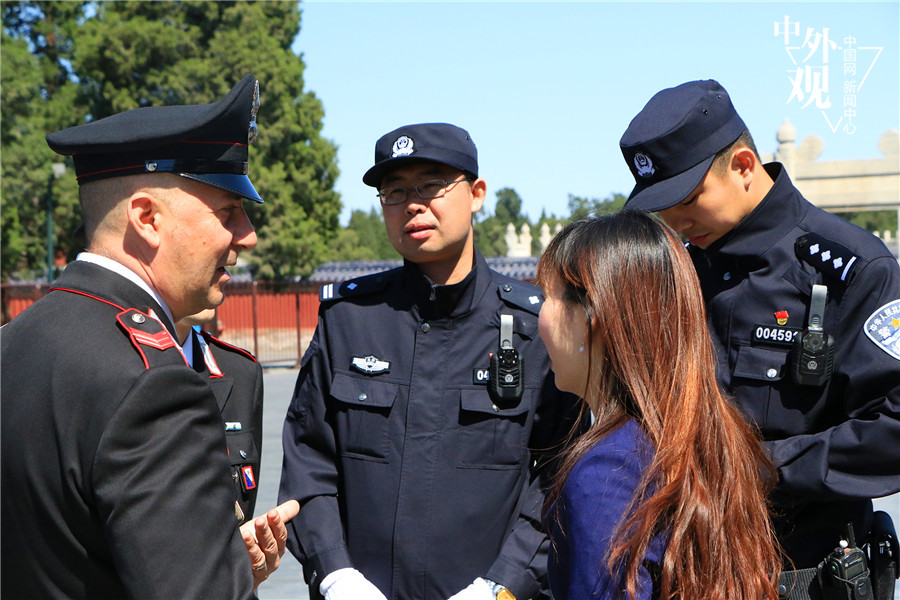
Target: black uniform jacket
x,y
838,445
403,465
236,378
116,482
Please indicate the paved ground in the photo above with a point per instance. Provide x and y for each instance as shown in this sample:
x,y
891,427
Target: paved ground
x,y
287,583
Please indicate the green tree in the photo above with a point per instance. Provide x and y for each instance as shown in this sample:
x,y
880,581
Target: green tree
x,y
509,207
33,52
874,220
490,230
551,221
98,58
580,208
364,238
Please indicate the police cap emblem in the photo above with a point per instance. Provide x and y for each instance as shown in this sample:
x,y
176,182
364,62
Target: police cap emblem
x,y
644,165
403,146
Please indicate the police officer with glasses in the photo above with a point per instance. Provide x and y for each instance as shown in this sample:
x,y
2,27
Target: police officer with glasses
x,y
419,436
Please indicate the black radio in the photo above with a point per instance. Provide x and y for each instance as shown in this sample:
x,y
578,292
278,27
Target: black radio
x,y
844,574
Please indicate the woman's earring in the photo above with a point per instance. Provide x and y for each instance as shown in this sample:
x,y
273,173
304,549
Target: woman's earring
x,y
581,348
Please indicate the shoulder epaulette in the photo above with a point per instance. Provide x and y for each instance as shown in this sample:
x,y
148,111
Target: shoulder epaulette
x,y
521,295
150,338
834,261
211,339
353,288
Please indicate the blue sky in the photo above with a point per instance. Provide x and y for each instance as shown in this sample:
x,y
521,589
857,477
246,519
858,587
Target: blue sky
x,y
547,89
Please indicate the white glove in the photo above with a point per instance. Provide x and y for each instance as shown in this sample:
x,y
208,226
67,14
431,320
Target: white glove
x,y
477,590
349,584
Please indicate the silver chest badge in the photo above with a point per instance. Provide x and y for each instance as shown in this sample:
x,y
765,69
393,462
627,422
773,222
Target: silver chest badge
x,y
402,147
370,365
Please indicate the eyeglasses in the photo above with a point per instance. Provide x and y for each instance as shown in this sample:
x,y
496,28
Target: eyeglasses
x,y
426,190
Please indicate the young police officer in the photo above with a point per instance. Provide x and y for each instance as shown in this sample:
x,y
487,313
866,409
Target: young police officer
x,y
419,468
116,479
804,310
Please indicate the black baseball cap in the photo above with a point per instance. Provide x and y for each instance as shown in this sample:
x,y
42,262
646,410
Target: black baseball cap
x,y
436,142
670,145
208,143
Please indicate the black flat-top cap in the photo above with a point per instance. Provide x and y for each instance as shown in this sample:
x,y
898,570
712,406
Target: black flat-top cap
x,y
436,142
670,145
206,142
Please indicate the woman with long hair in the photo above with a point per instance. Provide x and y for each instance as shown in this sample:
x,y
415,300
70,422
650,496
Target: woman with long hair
x,y
664,496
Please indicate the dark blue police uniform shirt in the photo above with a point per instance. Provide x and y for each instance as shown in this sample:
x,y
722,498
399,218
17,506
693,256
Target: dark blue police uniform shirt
x,y
596,495
403,465
835,446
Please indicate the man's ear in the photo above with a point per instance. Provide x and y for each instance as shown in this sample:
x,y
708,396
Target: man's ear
x,y
144,211
479,191
744,164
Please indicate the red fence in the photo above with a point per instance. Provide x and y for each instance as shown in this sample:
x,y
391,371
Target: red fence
x,y
275,321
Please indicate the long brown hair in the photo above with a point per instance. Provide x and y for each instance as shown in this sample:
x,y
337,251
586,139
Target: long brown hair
x,y
652,360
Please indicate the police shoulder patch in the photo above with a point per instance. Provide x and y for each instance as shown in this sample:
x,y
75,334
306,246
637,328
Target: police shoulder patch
x,y
883,328
522,295
352,288
834,261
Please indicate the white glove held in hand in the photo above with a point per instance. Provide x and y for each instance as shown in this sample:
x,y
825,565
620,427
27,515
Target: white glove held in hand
x,y
349,584
478,590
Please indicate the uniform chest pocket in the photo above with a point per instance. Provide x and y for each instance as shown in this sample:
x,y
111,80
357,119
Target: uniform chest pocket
x,y
361,416
489,436
762,364
756,374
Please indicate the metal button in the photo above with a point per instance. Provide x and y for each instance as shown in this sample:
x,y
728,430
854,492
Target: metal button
x,y
243,454
772,373
363,397
495,407
426,327
726,276
151,166
138,318
507,287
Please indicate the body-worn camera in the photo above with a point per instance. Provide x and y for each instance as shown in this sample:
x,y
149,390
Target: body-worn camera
x,y
844,574
507,370
812,358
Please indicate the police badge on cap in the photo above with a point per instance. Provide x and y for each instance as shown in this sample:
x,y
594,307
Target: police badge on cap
x,y
433,142
208,143
402,147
